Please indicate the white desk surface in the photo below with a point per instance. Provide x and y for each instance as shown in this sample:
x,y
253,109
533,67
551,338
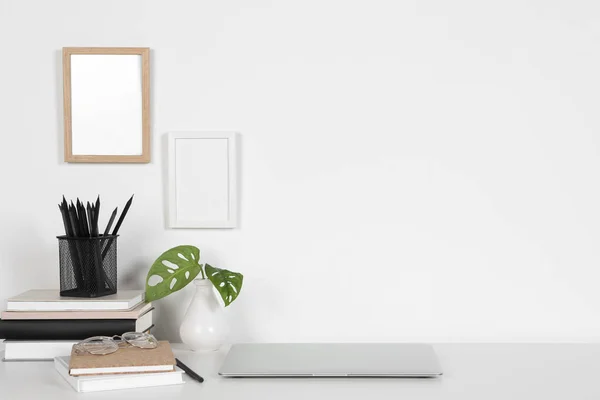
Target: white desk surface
x,y
471,371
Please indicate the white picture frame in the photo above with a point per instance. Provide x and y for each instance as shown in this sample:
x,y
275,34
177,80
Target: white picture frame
x,y
202,179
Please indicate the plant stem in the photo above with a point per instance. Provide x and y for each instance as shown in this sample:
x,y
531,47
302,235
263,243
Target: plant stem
x,y
202,271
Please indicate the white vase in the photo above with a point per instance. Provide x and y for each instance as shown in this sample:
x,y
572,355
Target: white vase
x,y
204,327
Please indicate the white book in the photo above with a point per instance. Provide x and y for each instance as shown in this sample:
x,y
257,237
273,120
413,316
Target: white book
x,y
116,381
50,300
26,350
135,313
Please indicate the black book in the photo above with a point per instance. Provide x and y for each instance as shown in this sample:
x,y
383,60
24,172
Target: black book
x,y
71,329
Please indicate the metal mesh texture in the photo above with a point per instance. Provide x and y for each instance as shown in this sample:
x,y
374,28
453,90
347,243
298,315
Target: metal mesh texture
x,y
88,266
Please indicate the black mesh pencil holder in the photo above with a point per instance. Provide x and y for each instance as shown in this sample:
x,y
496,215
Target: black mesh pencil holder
x,y
88,266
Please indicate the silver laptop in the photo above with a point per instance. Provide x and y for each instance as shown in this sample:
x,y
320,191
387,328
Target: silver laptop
x,y
331,360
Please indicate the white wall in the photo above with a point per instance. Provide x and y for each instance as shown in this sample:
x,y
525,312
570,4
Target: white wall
x,y
412,170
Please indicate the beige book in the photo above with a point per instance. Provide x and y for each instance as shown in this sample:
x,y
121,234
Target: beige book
x,y
125,360
138,311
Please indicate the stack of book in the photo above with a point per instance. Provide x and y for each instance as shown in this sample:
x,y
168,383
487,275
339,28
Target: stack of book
x,y
128,367
41,325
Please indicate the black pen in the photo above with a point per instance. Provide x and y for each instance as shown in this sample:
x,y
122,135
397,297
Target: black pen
x,y
188,371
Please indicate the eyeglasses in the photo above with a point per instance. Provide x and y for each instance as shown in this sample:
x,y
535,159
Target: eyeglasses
x,y
102,345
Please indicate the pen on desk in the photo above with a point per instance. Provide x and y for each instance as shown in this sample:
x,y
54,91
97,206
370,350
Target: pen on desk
x,y
188,371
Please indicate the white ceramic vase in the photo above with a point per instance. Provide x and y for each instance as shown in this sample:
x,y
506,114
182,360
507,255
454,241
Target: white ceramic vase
x,y
204,327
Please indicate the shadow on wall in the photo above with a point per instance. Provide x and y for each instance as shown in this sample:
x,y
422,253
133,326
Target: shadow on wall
x,y
241,329
133,276
33,267
169,313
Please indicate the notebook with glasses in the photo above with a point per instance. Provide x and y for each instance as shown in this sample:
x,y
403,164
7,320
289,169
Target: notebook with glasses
x,y
331,360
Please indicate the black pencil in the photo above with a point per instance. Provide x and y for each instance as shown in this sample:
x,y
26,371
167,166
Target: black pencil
x,y
72,214
65,218
110,221
96,216
189,371
73,220
116,230
90,219
83,221
122,217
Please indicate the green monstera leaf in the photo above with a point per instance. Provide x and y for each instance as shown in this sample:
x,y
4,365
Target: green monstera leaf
x,y
172,271
227,283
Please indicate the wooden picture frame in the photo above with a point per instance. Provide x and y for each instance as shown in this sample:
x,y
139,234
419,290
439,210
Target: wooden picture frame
x,y
96,129
202,179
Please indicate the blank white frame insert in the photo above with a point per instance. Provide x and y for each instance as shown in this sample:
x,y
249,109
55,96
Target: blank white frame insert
x,y
106,104
202,180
